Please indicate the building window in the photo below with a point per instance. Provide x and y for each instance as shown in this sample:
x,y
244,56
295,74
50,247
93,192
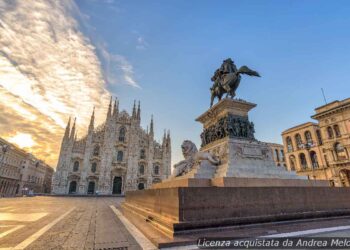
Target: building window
x,y
330,132
277,155
120,156
313,157
76,166
96,151
292,162
298,141
282,155
156,170
93,167
319,137
308,137
122,133
289,144
142,154
141,169
337,130
340,151
303,162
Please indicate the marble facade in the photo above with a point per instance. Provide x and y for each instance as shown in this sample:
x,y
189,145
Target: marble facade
x,y
115,157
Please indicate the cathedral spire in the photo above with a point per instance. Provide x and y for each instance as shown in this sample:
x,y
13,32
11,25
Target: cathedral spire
x,y
92,120
66,133
134,110
116,108
151,127
138,116
164,136
72,133
168,140
109,112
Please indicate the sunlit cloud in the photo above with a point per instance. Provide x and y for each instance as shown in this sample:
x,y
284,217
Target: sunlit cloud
x,y
23,140
49,70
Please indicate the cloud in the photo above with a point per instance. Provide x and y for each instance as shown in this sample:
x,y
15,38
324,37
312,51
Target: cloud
x,y
141,43
117,69
50,70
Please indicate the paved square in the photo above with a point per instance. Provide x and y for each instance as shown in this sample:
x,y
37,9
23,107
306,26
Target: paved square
x,y
62,223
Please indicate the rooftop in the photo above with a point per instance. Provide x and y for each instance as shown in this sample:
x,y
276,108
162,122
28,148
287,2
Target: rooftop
x,y
303,125
331,107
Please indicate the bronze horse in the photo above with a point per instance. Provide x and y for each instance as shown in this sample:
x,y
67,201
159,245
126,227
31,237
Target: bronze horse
x,y
227,79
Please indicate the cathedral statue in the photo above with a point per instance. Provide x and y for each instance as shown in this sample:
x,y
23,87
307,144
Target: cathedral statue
x,y
227,78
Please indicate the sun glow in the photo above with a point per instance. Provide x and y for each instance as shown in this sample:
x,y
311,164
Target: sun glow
x,y
22,140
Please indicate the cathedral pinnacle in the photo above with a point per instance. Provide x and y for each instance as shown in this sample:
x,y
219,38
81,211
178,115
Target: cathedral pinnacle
x,y
66,133
168,137
138,116
72,133
134,110
92,120
109,113
116,107
151,127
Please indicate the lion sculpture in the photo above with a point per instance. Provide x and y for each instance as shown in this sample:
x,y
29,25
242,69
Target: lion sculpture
x,y
192,158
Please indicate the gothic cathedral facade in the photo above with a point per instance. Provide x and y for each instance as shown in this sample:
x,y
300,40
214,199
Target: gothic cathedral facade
x,y
115,157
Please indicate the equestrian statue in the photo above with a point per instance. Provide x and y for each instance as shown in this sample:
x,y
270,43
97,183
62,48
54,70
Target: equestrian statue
x,y
227,78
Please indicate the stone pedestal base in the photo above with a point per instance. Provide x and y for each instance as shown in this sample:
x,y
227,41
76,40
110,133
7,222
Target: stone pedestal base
x,y
175,211
238,182
247,159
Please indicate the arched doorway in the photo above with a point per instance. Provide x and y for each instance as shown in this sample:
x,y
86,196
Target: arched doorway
x,y
17,188
72,187
91,187
141,186
117,185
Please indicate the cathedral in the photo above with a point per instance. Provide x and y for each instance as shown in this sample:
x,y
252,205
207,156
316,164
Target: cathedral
x,y
112,158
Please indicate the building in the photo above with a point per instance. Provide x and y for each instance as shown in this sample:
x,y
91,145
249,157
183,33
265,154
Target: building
x,y
277,152
117,156
35,175
21,172
321,150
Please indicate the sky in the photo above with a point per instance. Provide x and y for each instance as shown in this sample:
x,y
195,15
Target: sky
x,y
61,58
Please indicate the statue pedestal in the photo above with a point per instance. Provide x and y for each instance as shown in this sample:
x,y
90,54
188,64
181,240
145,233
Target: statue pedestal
x,y
245,188
228,134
